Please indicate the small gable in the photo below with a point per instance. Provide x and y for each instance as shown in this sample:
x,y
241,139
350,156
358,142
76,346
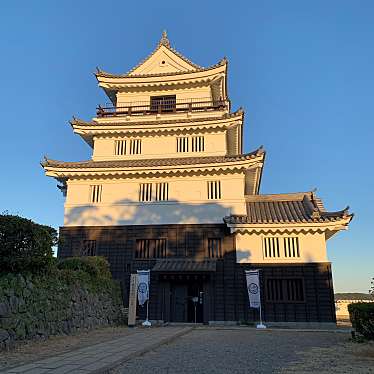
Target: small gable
x,y
163,60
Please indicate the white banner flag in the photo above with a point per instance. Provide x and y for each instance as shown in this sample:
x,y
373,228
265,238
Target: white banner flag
x,y
253,287
143,286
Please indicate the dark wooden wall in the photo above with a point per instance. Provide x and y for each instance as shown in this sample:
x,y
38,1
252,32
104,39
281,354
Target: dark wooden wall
x,y
226,292
318,304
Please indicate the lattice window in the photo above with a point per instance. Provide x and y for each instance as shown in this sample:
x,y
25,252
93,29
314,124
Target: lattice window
x,y
96,193
214,247
163,104
151,248
182,144
88,248
145,192
285,290
135,147
214,190
291,247
197,144
120,147
161,191
271,247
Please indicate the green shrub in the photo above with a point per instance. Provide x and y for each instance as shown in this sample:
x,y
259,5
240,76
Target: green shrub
x,y
97,267
362,318
25,246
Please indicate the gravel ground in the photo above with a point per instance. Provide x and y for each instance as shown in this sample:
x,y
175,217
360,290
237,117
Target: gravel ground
x,y
247,350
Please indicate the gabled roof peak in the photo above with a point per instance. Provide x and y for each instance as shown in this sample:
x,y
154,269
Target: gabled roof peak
x,y
163,60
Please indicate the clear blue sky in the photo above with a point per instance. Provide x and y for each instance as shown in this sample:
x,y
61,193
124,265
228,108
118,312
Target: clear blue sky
x,y
303,71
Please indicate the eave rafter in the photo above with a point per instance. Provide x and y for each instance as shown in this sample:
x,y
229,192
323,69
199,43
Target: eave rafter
x,y
241,164
90,129
282,228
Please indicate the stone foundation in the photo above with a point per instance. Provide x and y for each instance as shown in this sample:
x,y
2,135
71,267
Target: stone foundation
x,y
37,307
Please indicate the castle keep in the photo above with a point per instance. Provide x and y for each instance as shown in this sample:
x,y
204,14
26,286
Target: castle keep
x,y
170,189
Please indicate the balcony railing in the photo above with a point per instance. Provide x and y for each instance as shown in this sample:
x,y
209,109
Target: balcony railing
x,y
166,106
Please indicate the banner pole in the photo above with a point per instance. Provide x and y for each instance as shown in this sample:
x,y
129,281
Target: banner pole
x,y
147,323
260,325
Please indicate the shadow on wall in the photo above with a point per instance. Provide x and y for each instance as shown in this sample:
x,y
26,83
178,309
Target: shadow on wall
x,y
243,256
126,212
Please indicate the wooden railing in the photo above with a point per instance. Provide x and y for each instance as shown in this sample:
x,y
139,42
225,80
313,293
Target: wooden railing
x,y
168,106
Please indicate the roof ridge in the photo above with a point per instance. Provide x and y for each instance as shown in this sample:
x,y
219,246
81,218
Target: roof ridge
x,y
277,197
78,121
102,73
176,120
223,158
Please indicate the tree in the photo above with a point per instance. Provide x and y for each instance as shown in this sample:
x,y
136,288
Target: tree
x,y
371,291
25,246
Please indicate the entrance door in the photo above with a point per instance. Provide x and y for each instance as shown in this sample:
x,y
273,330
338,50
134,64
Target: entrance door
x,y
195,303
186,302
179,303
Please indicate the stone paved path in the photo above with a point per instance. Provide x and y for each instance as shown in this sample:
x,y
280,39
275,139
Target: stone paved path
x,y
102,357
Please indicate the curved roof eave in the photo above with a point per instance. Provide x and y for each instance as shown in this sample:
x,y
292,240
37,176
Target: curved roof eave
x,y
103,77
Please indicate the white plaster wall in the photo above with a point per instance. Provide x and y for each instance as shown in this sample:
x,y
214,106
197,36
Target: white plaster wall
x,y
124,98
160,147
249,248
120,204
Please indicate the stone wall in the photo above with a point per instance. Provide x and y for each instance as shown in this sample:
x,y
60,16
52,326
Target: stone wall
x,y
35,307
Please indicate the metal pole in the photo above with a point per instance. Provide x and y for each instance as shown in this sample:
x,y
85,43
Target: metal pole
x,y
260,325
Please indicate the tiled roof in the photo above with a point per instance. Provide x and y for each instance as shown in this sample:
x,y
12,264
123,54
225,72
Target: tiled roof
x,y
163,42
302,207
182,265
101,73
80,122
151,162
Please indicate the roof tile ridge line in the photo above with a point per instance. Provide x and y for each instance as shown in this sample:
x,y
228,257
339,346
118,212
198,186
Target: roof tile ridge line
x,y
184,58
79,121
176,120
257,152
344,212
197,70
317,201
166,159
278,196
99,71
103,73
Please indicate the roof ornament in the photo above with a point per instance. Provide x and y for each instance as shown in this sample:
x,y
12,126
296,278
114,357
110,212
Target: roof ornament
x,y
44,162
164,40
313,193
260,150
346,211
316,214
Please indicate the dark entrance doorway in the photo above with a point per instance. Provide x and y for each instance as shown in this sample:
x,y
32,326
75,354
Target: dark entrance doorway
x,y
186,302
